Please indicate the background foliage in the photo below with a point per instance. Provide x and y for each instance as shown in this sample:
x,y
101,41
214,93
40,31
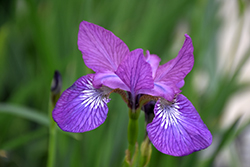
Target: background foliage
x,y
38,37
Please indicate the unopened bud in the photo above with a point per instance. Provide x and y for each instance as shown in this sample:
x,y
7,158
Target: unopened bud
x,y
56,87
146,151
56,84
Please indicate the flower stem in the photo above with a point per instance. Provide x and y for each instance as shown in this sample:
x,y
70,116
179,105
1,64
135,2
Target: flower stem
x,y
52,145
131,153
55,94
132,135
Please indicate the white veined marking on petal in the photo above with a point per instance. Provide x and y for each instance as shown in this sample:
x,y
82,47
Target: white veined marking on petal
x,y
93,97
169,114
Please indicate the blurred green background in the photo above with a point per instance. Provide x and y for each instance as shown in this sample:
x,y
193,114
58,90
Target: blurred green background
x,y
38,37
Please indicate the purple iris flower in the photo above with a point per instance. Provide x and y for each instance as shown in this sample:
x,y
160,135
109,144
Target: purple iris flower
x,y
83,106
176,129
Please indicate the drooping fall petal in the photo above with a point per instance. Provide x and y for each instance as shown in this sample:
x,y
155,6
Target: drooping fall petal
x,y
81,107
177,128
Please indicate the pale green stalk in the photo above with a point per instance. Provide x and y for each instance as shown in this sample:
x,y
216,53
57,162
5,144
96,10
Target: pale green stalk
x,y
132,151
55,94
52,143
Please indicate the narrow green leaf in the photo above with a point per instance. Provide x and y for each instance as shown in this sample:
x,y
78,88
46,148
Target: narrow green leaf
x,y
241,64
24,139
25,112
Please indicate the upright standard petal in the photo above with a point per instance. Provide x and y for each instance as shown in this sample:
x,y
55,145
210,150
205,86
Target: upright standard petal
x,y
81,107
135,72
154,62
101,49
177,128
169,78
180,84
176,69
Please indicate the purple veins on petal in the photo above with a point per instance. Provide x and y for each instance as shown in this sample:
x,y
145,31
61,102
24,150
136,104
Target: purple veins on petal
x,y
135,72
169,78
177,128
176,69
81,107
101,50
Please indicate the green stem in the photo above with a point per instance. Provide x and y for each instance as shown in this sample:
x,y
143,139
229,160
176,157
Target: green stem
x,y
52,133
132,135
55,94
52,144
131,153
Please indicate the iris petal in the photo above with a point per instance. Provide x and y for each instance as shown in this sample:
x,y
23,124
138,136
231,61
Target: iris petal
x,y
169,78
176,69
109,79
101,49
180,84
135,72
177,128
81,107
154,62
163,89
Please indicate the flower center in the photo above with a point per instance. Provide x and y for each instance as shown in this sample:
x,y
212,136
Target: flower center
x,y
133,101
